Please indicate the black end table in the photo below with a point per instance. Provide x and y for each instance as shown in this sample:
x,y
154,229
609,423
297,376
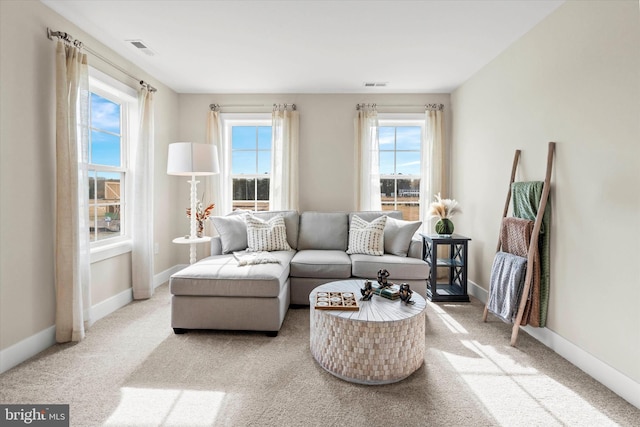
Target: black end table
x,y
455,288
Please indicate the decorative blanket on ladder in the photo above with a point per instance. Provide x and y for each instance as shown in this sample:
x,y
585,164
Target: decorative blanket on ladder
x,y
515,237
507,281
526,199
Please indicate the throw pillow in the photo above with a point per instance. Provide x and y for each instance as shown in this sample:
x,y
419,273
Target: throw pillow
x,y
366,237
398,235
233,232
270,235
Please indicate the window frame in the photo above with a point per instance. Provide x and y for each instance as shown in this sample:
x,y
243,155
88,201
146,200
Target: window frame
x,y
402,120
113,90
231,120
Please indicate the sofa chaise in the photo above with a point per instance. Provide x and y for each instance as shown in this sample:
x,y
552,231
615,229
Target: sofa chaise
x,y
218,293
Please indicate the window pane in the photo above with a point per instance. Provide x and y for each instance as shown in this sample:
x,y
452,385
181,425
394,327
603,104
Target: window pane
x,y
390,207
108,221
92,186
263,189
408,138
104,221
243,137
108,187
262,206
387,189
264,137
408,187
408,163
410,211
386,137
105,149
387,160
244,188
264,162
105,114
243,162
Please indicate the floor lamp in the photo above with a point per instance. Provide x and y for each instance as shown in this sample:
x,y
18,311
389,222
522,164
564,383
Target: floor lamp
x,y
191,159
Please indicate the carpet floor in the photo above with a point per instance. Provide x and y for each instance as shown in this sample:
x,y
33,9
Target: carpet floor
x,y
131,370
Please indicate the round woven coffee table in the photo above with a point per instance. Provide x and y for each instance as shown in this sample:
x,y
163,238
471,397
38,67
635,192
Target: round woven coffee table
x,y
383,342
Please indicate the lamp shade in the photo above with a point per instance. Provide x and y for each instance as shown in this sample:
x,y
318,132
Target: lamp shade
x,y
189,158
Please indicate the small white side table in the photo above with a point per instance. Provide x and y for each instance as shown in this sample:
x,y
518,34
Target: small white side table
x,y
192,242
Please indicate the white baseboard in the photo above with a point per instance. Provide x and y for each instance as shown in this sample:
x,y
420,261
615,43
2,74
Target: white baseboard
x,y
610,377
164,276
108,306
29,347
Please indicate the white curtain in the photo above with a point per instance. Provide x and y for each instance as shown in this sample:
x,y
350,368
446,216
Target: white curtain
x,y
220,188
72,272
434,171
142,210
283,186
367,157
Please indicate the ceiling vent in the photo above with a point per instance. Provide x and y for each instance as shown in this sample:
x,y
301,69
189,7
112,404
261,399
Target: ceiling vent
x,y
139,44
375,84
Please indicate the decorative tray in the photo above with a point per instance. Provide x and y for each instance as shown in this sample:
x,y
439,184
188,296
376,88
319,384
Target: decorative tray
x,y
336,301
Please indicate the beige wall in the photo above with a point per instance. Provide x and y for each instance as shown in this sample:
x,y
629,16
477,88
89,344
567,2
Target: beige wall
x,y
27,172
573,79
326,155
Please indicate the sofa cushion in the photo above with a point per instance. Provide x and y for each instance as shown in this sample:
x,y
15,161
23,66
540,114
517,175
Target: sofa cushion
x,y
398,235
321,263
366,237
220,275
323,230
269,235
233,228
367,267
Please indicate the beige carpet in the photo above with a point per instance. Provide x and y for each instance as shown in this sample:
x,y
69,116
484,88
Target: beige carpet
x,y
132,370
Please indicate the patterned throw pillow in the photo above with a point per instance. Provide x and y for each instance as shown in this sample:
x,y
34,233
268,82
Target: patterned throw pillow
x,y
366,237
268,235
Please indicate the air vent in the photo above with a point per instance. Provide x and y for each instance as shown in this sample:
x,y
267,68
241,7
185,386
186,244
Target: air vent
x,y
375,84
139,44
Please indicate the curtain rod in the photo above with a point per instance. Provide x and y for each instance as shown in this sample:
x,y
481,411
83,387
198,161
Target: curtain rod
x,y
438,107
77,43
217,107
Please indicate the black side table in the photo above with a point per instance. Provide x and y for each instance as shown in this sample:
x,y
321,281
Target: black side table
x,y
455,288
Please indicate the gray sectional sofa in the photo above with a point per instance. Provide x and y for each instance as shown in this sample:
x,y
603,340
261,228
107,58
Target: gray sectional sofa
x,y
217,293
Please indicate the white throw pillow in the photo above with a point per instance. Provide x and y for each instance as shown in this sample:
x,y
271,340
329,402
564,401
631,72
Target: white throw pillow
x,y
268,235
398,235
233,232
366,237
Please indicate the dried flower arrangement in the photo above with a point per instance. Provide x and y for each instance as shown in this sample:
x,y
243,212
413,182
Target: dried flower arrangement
x,y
201,212
443,208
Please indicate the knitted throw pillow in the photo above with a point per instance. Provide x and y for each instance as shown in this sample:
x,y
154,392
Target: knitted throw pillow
x,y
366,237
268,235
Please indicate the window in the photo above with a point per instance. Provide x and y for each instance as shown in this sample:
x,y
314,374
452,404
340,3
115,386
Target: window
x,y
111,109
250,142
400,165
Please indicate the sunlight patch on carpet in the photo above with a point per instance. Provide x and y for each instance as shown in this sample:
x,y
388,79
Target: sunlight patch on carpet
x,y
451,323
512,392
146,406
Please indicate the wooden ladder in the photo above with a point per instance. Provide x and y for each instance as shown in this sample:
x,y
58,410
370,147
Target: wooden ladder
x,y
535,234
